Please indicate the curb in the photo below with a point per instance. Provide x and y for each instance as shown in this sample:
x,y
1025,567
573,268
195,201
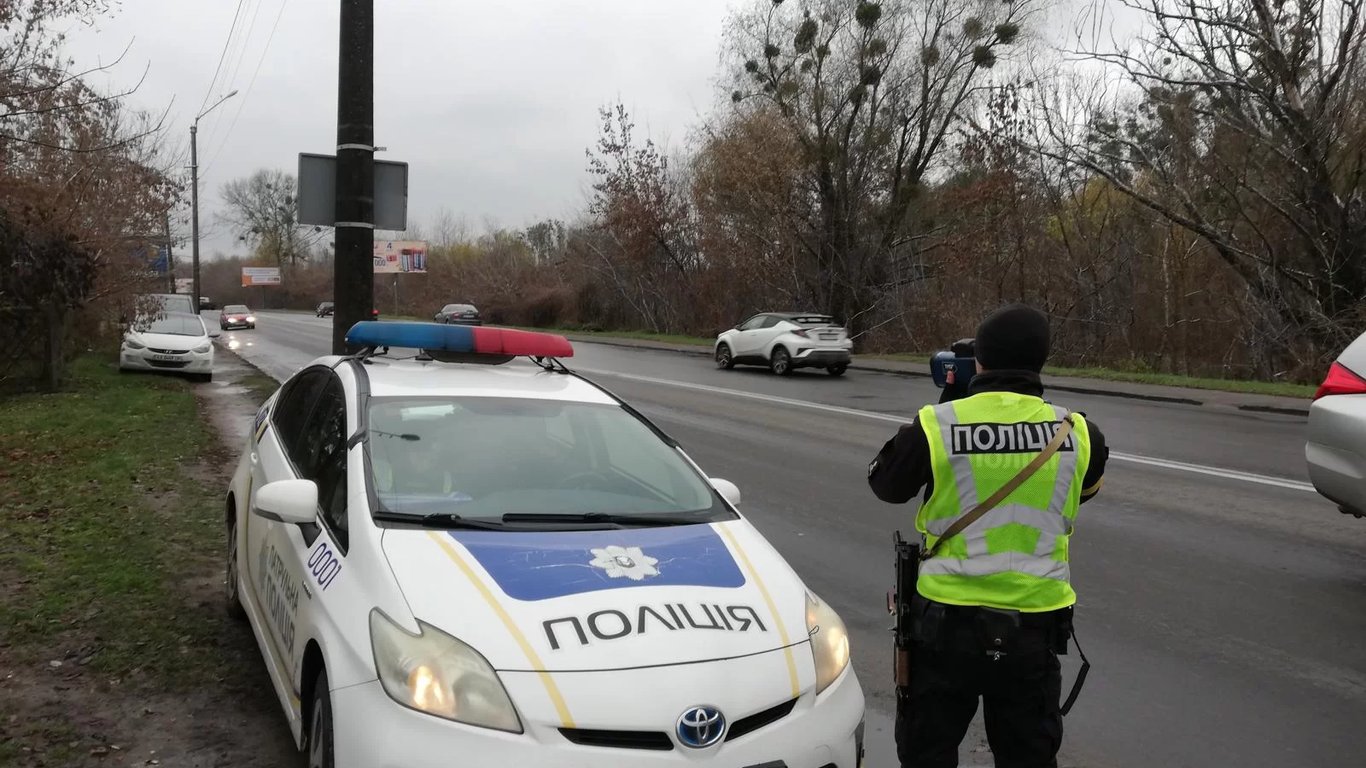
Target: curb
x,y
874,367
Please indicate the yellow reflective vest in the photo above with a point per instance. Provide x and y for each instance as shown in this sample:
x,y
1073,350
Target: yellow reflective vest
x,y
1015,556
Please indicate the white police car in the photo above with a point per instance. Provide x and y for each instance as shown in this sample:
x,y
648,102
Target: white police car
x,y
504,565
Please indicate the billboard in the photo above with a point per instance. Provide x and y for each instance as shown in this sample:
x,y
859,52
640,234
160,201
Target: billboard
x,y
394,256
260,276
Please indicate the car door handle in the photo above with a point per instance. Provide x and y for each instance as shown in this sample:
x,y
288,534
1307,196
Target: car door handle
x,y
255,459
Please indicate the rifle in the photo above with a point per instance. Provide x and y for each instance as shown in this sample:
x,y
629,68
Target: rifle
x,y
899,605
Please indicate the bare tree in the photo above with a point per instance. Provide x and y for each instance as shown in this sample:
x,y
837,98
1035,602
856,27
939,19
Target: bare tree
x,y
1246,126
263,212
871,91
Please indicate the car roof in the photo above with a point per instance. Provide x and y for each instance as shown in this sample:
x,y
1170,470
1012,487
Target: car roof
x,y
518,379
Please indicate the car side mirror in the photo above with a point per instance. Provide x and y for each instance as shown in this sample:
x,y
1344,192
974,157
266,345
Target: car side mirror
x,y
214,333
728,490
294,502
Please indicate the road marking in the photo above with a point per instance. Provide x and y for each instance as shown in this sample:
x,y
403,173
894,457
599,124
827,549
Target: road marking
x,y
1180,466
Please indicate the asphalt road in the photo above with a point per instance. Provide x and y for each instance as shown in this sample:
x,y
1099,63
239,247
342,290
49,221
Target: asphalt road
x,y
1221,603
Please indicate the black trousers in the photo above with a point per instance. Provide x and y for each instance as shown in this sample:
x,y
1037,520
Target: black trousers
x,y
1020,693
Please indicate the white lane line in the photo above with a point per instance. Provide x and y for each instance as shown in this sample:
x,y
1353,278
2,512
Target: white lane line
x,y
1180,466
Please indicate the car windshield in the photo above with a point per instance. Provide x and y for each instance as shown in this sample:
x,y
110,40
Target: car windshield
x,y
452,308
485,457
236,309
172,325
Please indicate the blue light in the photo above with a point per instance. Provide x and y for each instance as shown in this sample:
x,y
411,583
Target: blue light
x,y
461,339
408,335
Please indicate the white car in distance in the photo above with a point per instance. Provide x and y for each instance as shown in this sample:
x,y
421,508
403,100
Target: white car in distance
x,y
489,563
784,342
175,342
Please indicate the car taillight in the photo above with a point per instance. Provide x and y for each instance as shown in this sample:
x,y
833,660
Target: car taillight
x,y
802,333
1341,380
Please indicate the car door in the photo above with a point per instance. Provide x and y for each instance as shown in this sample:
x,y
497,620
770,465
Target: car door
x,y
275,578
772,328
746,342
313,555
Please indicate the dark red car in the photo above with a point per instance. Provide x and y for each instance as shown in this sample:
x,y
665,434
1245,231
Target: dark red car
x,y
236,316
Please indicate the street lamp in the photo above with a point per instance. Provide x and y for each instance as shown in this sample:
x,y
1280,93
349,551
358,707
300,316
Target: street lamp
x,y
194,194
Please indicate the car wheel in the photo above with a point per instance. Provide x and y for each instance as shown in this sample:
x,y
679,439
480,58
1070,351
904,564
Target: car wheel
x,y
724,361
321,750
837,370
232,599
252,327
781,362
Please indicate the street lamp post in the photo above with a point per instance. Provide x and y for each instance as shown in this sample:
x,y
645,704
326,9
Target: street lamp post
x,y
194,195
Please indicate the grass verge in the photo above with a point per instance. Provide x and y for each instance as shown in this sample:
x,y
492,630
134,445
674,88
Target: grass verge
x,y
105,520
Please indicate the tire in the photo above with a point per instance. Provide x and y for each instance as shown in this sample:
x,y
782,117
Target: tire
x,y
780,362
232,600
251,327
222,326
320,749
837,370
724,360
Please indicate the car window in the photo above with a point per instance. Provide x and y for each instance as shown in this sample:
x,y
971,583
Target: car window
x,y
753,323
172,325
234,308
814,321
293,407
485,457
449,308
321,455
770,321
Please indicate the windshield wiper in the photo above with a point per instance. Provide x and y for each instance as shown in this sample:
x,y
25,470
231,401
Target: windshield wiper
x,y
608,518
447,520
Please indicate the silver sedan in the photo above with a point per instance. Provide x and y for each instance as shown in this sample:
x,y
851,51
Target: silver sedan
x,y
1336,450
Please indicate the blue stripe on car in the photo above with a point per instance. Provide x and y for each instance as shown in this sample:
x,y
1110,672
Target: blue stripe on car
x,y
545,565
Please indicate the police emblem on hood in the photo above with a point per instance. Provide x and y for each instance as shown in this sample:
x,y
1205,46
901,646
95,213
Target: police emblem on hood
x,y
624,562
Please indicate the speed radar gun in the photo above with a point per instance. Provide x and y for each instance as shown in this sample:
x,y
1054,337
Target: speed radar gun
x,y
952,370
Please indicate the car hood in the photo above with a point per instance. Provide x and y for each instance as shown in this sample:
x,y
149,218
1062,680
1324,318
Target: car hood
x,y
602,600
168,341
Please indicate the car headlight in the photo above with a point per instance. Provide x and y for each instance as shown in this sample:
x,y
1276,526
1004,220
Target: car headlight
x,y
435,673
203,349
829,641
251,318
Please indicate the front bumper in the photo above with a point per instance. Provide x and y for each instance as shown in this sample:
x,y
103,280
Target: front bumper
x,y
236,324
182,362
372,731
820,358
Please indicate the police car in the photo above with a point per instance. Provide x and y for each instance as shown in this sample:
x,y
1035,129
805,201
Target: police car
x,y
449,556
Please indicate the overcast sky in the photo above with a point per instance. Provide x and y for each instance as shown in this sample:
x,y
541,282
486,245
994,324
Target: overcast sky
x,y
492,107
491,103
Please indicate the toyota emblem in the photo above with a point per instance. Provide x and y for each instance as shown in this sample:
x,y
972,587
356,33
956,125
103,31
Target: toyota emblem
x,y
701,726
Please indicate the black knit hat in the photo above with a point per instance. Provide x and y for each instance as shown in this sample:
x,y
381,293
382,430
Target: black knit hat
x,y
1013,338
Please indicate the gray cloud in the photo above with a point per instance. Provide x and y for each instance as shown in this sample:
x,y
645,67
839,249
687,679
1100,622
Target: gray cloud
x,y
491,103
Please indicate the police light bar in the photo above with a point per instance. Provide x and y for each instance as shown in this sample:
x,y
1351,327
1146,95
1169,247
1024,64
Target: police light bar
x,y
460,339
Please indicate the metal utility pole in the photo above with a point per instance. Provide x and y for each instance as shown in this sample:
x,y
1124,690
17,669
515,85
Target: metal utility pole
x,y
353,282
194,196
170,257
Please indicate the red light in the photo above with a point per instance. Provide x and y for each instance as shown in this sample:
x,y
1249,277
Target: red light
x,y
508,341
1341,380
802,333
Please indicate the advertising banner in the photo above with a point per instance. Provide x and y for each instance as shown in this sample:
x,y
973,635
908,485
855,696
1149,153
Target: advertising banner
x,y
393,256
260,276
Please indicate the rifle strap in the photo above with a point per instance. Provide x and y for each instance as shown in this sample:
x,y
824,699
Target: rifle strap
x,y
1000,495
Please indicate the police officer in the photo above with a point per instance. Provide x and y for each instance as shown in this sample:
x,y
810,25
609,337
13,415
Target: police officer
x,y
994,602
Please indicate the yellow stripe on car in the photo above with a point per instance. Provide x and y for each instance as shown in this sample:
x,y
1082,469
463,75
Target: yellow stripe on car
x,y
547,680
772,607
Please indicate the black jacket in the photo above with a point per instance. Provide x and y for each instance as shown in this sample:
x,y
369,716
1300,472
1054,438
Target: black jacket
x,y
902,467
